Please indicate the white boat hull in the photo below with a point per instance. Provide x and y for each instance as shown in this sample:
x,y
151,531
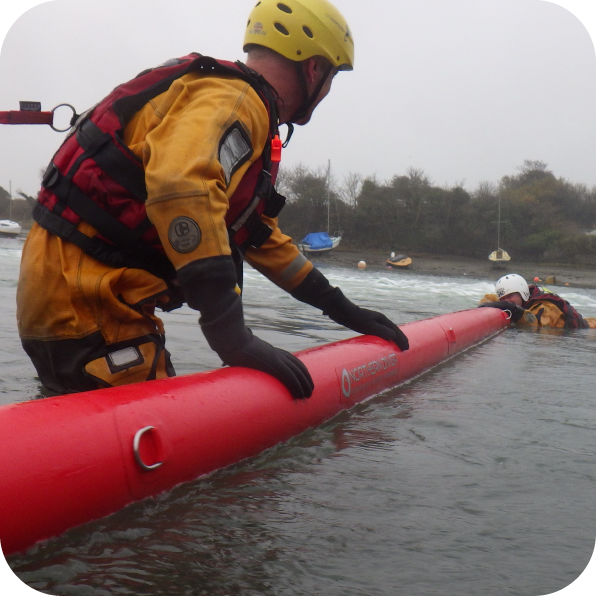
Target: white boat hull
x,y
335,240
9,228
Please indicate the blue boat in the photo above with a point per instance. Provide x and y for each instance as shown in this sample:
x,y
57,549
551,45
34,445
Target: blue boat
x,y
319,242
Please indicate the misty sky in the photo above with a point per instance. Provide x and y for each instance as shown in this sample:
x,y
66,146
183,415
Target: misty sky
x,y
463,89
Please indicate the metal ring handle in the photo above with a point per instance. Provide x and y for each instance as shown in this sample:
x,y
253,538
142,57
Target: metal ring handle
x,y
74,113
135,447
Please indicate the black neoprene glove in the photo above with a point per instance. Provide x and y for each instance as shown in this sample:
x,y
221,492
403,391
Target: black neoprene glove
x,y
517,312
318,292
209,287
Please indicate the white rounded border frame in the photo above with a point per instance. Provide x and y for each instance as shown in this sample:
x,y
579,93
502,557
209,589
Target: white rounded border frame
x,y
585,584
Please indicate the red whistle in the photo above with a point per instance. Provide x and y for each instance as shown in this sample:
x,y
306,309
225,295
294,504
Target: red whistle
x,y
276,149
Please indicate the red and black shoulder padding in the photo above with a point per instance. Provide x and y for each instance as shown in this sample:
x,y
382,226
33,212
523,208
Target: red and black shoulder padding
x,y
94,177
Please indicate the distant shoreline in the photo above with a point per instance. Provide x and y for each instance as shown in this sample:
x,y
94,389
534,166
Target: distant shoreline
x,y
574,275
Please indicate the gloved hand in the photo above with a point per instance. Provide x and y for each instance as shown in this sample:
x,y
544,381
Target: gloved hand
x,y
317,291
209,285
282,365
367,322
517,312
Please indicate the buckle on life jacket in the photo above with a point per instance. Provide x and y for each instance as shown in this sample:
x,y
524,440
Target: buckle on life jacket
x,y
260,235
258,230
274,202
50,176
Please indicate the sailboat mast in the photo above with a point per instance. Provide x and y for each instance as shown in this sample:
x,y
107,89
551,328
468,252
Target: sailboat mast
x,y
327,184
499,225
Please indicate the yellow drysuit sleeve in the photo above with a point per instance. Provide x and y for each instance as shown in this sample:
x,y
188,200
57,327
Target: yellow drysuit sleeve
x,y
279,260
178,135
487,298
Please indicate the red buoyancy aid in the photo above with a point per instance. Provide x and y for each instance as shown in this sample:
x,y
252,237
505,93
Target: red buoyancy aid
x,y
573,320
94,177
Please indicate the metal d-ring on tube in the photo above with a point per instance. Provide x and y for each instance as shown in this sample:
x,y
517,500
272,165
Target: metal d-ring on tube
x,y
135,447
74,113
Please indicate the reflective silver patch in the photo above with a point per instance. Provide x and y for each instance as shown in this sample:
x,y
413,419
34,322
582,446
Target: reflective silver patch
x,y
293,268
232,152
125,356
184,234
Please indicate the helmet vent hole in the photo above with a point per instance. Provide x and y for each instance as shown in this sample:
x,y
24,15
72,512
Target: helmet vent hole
x,y
281,28
299,52
307,31
257,4
284,8
247,24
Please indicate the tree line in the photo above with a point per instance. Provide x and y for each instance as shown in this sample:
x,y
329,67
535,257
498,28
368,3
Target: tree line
x,y
543,218
16,208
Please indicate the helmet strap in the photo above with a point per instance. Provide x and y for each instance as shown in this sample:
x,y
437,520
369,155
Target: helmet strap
x,y
307,102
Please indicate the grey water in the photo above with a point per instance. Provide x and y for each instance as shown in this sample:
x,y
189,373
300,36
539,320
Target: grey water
x,y
477,477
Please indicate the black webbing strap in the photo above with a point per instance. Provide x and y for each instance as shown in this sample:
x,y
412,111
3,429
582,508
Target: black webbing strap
x,y
72,196
275,203
111,160
141,256
258,231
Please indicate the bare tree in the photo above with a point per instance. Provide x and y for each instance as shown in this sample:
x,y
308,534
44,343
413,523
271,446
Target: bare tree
x,y
419,184
350,188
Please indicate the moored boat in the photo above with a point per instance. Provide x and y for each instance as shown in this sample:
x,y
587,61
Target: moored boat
x,y
322,242
499,257
399,261
9,228
319,242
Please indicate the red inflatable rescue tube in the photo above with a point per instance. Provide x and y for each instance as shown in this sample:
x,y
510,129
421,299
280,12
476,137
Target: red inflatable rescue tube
x,y
70,459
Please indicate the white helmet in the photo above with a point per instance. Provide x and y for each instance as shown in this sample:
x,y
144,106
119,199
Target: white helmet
x,y
511,283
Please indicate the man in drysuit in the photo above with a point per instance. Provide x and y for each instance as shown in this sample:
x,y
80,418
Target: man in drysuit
x,y
534,305
158,195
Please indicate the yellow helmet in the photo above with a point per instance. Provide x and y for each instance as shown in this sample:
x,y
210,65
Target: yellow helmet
x,y
300,29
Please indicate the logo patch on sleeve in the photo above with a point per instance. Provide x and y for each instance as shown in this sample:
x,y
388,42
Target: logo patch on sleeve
x,y
184,234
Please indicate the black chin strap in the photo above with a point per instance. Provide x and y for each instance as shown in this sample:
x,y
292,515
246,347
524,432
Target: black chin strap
x,y
307,101
289,135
